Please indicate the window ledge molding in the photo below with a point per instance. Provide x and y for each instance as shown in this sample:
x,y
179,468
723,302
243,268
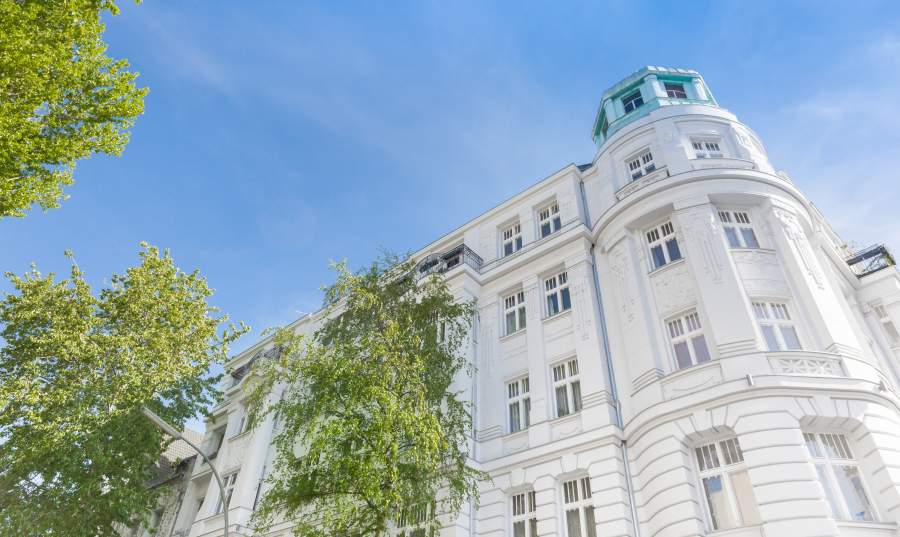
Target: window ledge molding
x,y
521,432
660,270
568,417
557,316
239,435
513,334
636,184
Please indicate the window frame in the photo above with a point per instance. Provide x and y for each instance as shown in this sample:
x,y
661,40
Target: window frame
x,y
725,449
514,303
739,221
667,90
662,240
634,98
523,509
578,496
566,375
640,164
518,393
514,240
706,147
772,308
826,464
557,287
553,220
228,482
687,328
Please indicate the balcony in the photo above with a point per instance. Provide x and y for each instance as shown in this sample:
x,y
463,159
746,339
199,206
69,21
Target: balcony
x,y
443,262
869,260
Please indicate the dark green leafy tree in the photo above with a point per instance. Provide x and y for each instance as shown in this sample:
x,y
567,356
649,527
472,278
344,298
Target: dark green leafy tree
x,y
61,98
75,369
372,428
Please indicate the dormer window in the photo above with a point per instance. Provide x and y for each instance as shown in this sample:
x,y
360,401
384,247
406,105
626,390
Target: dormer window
x,y
512,239
632,101
641,165
706,148
549,219
675,90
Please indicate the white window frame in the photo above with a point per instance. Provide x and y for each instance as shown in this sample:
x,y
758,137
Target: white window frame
x,y
640,164
566,387
660,238
411,522
635,99
228,481
510,236
523,516
557,296
707,148
776,325
549,216
514,308
518,404
723,460
577,501
688,340
669,92
887,324
738,227
831,454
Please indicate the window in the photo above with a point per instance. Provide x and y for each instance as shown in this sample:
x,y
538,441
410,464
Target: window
x,y
242,424
413,521
216,439
641,165
604,127
663,245
549,219
524,520
726,486
706,149
777,326
512,239
887,324
556,289
579,508
567,387
675,90
229,482
840,476
514,307
632,101
738,229
519,405
688,341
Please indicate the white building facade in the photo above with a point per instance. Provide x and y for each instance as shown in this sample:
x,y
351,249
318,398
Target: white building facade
x,y
670,342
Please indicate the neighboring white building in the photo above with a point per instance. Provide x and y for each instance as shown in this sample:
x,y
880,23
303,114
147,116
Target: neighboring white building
x,y
671,341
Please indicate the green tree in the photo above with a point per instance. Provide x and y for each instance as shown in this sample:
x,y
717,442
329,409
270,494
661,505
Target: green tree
x,y
75,369
61,98
371,425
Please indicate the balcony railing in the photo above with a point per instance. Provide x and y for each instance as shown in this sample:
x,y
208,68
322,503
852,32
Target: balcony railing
x,y
441,263
869,260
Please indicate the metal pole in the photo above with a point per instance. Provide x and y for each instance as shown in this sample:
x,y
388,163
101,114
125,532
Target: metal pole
x,y
168,429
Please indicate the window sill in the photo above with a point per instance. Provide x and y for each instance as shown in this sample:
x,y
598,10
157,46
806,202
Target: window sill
x,y
239,435
740,530
872,525
522,432
657,270
570,416
557,316
688,370
513,334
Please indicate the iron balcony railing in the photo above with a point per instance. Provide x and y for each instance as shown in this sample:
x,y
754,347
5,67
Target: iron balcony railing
x,y
441,263
869,260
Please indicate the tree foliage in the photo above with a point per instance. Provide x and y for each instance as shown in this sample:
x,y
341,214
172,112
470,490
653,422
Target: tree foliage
x,y
61,98
75,369
370,424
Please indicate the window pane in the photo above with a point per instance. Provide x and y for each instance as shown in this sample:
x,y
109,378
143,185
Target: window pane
x,y
682,355
510,322
557,223
674,252
521,317
519,529
562,402
514,423
552,305
566,299
719,511
589,522
850,483
576,396
769,333
749,237
743,496
731,234
518,243
659,259
829,492
527,412
700,349
532,524
507,248
545,229
573,524
789,335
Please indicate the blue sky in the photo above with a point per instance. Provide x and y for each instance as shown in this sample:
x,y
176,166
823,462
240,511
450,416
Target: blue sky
x,y
280,135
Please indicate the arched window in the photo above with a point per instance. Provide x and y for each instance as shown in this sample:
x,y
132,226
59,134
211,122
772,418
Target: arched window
x,y
841,476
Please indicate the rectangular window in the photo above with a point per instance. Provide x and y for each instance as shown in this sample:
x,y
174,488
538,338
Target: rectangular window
x,y
524,520
641,165
519,401
216,440
412,521
663,245
567,388
688,340
556,290
549,219
726,485
632,101
579,508
229,482
512,239
706,148
738,229
777,326
514,309
887,324
840,476
675,90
